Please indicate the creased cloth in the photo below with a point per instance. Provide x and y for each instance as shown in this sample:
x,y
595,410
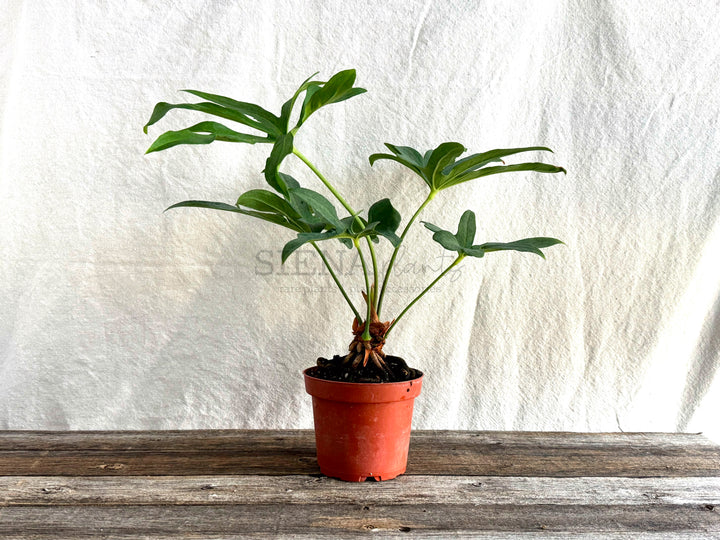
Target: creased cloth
x,y
115,315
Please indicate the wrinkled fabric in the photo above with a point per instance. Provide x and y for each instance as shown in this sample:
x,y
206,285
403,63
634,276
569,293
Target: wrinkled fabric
x,y
115,315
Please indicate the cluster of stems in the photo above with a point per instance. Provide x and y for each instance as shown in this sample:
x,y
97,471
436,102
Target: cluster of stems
x,y
374,299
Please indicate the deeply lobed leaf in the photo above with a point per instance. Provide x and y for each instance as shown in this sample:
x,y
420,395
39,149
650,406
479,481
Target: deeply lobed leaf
x,y
317,94
322,210
267,121
487,171
428,166
267,201
202,133
466,229
282,148
265,216
440,169
387,220
337,89
308,86
476,161
306,237
530,245
438,160
462,241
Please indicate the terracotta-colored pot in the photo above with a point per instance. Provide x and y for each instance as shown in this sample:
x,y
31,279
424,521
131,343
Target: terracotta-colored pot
x,y
362,430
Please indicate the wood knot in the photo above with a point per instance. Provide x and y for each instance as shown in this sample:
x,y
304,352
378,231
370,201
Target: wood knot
x,y
110,466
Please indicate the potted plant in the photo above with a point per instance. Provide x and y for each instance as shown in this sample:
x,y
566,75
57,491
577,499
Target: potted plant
x,y
363,398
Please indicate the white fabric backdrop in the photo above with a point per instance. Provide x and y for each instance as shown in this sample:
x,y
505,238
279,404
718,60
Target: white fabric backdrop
x,y
114,315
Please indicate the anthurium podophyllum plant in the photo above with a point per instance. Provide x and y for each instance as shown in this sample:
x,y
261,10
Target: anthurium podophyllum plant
x,y
315,220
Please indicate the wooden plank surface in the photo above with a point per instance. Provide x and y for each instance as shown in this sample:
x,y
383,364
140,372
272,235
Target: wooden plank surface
x,y
293,452
300,489
342,520
266,484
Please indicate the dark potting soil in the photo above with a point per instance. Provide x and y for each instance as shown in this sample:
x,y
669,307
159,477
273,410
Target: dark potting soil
x,y
335,370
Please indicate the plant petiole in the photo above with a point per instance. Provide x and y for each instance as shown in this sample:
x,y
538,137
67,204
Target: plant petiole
x,y
429,198
347,207
460,257
337,281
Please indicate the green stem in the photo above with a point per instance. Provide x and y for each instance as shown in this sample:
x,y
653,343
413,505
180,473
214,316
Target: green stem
x,y
373,298
366,332
347,207
337,281
324,181
460,257
430,197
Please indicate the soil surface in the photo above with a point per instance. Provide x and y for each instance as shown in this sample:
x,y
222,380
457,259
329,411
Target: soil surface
x,y
336,370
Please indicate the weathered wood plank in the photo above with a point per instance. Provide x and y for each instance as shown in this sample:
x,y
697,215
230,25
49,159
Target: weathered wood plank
x,y
123,463
166,440
293,452
565,455
406,490
229,439
342,520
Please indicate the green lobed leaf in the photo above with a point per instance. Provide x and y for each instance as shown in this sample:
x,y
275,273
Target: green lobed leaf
x,y
409,157
437,160
375,157
433,228
267,201
440,168
354,224
475,161
374,229
461,241
369,228
429,166
305,237
466,229
385,214
337,89
320,206
474,251
311,90
266,120
487,171
386,221
393,238
447,240
307,217
530,245
308,86
270,217
288,181
282,148
203,133
162,108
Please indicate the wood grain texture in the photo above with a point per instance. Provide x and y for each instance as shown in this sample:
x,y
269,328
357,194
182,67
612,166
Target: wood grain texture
x,y
293,452
408,490
266,484
347,520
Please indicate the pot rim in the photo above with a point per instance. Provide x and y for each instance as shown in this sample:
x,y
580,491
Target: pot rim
x,y
356,384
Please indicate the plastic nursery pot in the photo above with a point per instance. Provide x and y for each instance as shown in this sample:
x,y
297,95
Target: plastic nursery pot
x,y
362,430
